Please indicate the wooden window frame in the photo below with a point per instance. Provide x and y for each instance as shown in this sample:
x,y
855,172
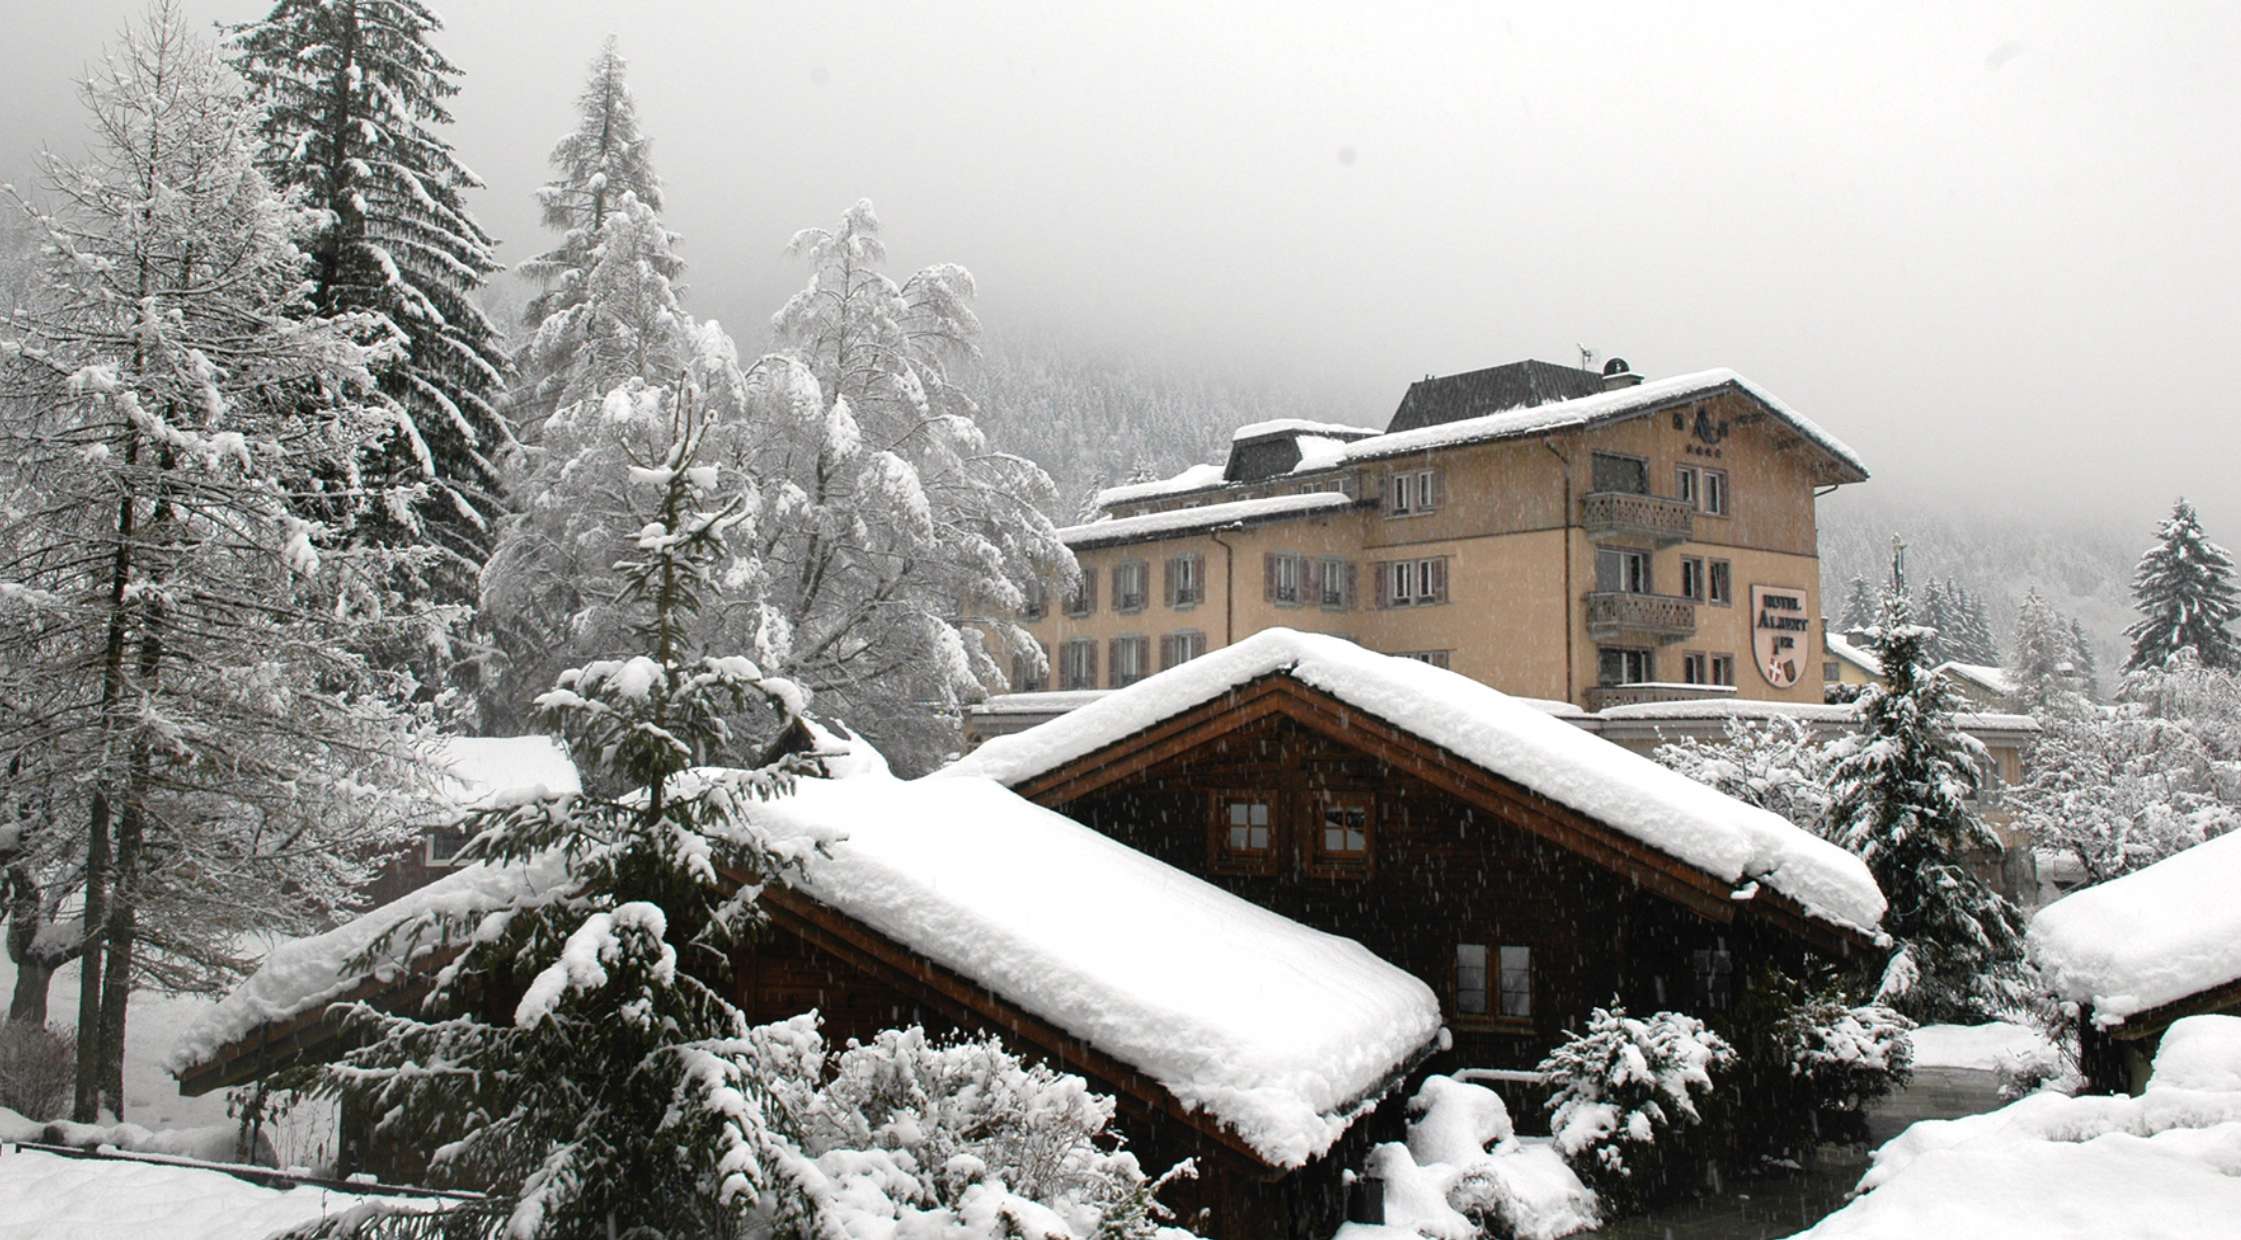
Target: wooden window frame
x,y
1277,562
1220,857
1714,486
1125,604
1082,600
1724,679
1696,668
1136,643
1716,572
1342,571
1499,979
1321,861
1190,564
1088,677
1172,646
1684,484
1428,580
1696,567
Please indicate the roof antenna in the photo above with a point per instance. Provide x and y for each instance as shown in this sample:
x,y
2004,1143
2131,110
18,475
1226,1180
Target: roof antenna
x,y
1587,357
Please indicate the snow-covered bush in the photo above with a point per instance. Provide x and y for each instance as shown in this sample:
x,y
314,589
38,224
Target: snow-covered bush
x,y
1464,1174
961,1138
36,1067
1808,1063
1626,1100
1777,764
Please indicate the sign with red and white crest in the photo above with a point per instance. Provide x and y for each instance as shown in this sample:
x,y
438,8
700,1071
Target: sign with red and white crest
x,y
1778,629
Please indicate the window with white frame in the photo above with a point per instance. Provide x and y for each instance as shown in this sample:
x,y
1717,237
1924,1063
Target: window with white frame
x,y
1037,602
1696,669
1723,670
1030,672
1176,649
1287,578
1692,577
1684,484
1622,665
1186,580
1412,492
1336,577
1414,583
1516,981
1077,664
1714,492
1471,998
1720,575
1131,660
1132,585
1618,571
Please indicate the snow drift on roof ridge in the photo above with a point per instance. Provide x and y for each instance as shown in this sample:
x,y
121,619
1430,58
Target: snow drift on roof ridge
x,y
1301,426
1177,520
1192,478
2158,934
1664,809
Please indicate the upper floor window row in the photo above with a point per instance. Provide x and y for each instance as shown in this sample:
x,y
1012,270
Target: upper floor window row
x,y
1413,492
1182,585
1702,489
1291,579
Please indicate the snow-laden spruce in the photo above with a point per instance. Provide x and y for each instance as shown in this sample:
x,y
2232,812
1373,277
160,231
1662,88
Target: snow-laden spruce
x,y
195,748
353,94
1507,736
2185,592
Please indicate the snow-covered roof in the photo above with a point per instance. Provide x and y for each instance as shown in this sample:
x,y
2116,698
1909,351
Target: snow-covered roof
x,y
1301,426
1835,715
1858,656
1209,517
1197,477
1045,702
1274,1030
1611,406
481,772
1668,811
1983,675
2151,937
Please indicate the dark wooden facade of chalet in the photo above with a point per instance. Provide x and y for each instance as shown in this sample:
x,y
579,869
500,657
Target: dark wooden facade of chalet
x,y
1455,857
862,982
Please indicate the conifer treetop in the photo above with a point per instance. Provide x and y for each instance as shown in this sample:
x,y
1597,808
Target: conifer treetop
x,y
2184,587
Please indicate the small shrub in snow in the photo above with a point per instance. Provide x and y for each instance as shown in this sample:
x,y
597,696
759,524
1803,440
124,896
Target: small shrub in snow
x,y
1626,1099
37,1063
1463,1173
1808,1064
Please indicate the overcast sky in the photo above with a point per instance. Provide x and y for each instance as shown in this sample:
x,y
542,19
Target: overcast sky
x,y
1995,247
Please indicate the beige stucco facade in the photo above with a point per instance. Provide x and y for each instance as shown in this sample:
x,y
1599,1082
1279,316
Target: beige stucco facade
x,y
1520,541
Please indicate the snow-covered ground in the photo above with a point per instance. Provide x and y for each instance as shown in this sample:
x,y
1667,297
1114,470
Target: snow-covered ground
x,y
1987,1047
2053,1167
51,1197
152,1098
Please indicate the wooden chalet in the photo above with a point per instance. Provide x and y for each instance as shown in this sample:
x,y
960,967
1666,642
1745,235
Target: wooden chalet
x,y
2138,953
954,904
1523,869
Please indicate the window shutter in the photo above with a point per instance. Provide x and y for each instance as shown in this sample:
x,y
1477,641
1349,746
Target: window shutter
x,y
1311,581
1384,585
1385,492
1198,577
1167,580
1268,577
1353,584
1439,580
1439,488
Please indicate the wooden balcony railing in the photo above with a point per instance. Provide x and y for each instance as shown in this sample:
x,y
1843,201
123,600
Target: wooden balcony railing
x,y
1623,516
1656,617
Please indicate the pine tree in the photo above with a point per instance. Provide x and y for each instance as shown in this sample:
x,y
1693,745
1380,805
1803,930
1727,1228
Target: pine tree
x,y
2045,668
178,701
2185,593
2088,665
1859,606
352,94
897,543
602,166
1902,785
1936,617
1977,643
627,1090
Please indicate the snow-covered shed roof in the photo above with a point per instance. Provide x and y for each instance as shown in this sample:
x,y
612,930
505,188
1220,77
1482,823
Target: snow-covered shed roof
x,y
1275,1031
2153,937
1302,426
1861,657
1986,676
1705,829
1209,517
1599,408
1194,478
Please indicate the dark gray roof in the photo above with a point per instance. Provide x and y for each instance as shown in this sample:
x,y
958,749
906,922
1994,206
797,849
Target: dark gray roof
x,y
1475,393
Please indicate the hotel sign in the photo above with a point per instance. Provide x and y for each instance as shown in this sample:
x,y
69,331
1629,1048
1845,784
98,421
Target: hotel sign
x,y
1778,628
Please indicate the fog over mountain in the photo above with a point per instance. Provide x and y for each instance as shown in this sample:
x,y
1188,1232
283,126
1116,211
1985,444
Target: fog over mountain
x,y
1990,247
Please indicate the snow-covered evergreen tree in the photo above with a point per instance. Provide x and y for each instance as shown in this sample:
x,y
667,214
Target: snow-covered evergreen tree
x,y
1903,785
584,334
1974,640
179,704
353,93
1859,606
897,544
2185,593
1936,616
2088,665
626,1091
2044,666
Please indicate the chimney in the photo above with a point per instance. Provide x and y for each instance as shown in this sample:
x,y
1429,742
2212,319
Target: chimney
x,y
1616,375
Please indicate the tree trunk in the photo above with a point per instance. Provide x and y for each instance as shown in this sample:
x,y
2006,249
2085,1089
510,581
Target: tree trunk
x,y
34,977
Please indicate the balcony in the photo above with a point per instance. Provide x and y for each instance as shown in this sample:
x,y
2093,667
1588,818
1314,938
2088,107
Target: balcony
x,y
1606,696
1636,520
1623,617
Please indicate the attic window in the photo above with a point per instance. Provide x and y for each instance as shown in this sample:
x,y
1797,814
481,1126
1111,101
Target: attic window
x,y
1243,832
1343,827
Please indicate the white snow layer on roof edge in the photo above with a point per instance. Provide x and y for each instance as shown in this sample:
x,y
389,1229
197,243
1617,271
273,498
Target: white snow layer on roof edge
x,y
1301,426
1210,516
1191,479
2153,936
1668,811
1271,1028
481,772
1621,402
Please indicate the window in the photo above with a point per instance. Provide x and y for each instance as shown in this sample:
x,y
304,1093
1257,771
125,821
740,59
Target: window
x,y
1715,976
1412,583
1077,664
1470,979
1685,485
1030,672
1622,572
1517,982
1829,672
1286,579
1186,580
444,844
1437,658
1131,585
1692,577
1618,665
1412,493
1723,670
1082,599
1244,832
1714,497
1176,649
1038,601
1628,474
1722,578
1342,833
1336,577
1696,669
1132,660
